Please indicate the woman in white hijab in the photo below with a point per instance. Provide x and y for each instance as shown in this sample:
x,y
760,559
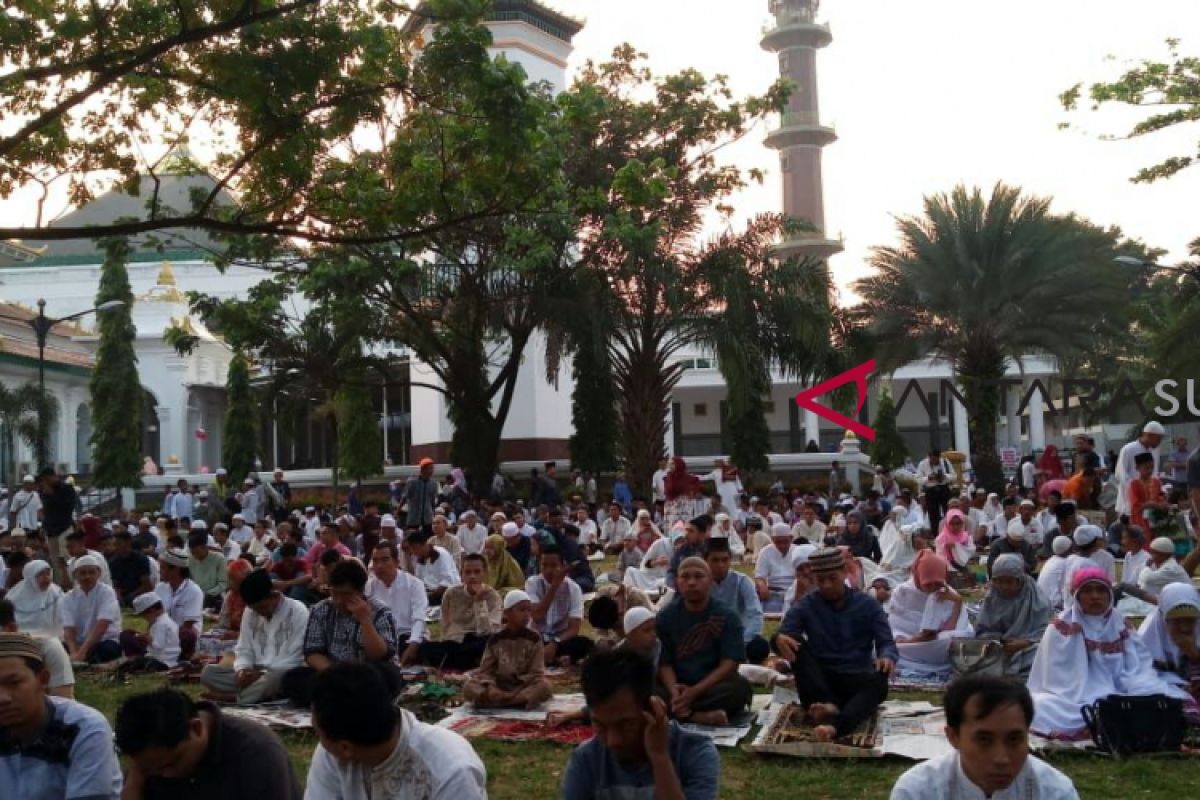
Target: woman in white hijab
x,y
37,601
724,530
1087,653
895,540
1172,637
992,508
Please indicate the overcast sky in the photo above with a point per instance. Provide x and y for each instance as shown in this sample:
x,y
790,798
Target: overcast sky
x,y
930,93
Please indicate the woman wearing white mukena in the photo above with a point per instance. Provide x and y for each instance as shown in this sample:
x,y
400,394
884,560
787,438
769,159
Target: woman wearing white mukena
x,y
1086,654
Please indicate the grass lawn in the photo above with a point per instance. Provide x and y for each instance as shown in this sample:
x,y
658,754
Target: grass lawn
x,y
533,770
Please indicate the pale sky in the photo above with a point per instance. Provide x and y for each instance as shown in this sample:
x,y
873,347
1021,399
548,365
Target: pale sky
x,y
931,93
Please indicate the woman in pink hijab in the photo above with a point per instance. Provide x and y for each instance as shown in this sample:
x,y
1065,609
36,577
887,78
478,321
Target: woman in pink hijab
x,y
954,543
925,614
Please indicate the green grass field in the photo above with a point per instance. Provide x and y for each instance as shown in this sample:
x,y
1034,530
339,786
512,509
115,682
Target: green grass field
x,y
533,770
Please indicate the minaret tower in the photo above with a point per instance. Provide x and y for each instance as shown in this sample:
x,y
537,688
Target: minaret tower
x,y
800,137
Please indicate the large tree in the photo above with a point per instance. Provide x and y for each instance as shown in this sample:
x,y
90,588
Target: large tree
x,y
240,444
982,280
645,177
359,445
286,97
116,389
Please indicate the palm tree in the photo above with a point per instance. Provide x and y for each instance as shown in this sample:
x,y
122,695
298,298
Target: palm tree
x,y
981,281
18,420
1167,317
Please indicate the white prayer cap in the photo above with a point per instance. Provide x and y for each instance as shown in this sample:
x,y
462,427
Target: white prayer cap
x,y
1086,534
1028,502
310,509
636,617
27,479
239,516
222,471
510,530
144,601
1061,545
1016,529
88,560
1155,428
199,525
803,554
1163,545
514,597
643,513
721,517
469,513
387,521
781,529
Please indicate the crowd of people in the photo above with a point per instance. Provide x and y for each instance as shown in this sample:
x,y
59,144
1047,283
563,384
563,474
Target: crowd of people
x,y
327,607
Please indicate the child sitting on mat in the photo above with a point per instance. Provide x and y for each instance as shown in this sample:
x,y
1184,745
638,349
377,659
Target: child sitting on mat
x,y
512,673
161,641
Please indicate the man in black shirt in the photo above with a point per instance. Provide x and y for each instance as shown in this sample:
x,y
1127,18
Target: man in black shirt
x,y
58,516
130,569
181,750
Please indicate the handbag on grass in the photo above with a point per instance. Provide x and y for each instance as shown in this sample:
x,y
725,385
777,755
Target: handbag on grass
x,y
983,657
1128,725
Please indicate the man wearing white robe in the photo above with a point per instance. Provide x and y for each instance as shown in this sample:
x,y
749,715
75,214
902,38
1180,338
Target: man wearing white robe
x,y
981,712
1148,442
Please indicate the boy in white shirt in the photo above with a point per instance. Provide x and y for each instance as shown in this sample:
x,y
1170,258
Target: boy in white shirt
x,y
162,639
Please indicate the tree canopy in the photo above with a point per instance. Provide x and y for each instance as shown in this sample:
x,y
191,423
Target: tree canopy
x,y
983,280
297,103
1169,90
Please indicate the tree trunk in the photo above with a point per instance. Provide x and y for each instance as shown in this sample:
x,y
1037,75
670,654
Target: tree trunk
x,y
980,371
645,401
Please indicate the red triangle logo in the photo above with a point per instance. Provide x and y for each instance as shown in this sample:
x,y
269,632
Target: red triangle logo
x,y
859,375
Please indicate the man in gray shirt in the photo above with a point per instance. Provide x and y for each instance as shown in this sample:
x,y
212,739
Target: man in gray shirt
x,y
638,752
420,493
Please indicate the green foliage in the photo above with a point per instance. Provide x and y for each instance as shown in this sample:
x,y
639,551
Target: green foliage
x,y
359,442
115,386
979,280
888,450
1169,88
594,419
644,177
241,422
18,422
279,90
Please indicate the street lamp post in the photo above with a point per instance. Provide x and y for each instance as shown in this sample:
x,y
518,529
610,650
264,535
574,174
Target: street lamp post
x,y
42,325
1134,261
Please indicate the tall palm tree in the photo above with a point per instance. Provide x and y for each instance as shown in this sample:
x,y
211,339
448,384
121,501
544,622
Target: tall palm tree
x,y
982,280
18,421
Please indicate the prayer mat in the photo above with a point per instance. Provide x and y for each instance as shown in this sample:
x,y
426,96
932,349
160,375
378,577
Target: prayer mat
x,y
511,730
906,681
724,735
559,702
273,716
911,729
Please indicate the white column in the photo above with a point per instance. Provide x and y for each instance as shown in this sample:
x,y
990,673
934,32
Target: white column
x,y
812,427
669,433
962,438
275,433
385,425
1037,423
1011,418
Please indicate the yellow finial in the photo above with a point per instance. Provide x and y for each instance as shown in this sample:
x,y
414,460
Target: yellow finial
x,y
166,276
